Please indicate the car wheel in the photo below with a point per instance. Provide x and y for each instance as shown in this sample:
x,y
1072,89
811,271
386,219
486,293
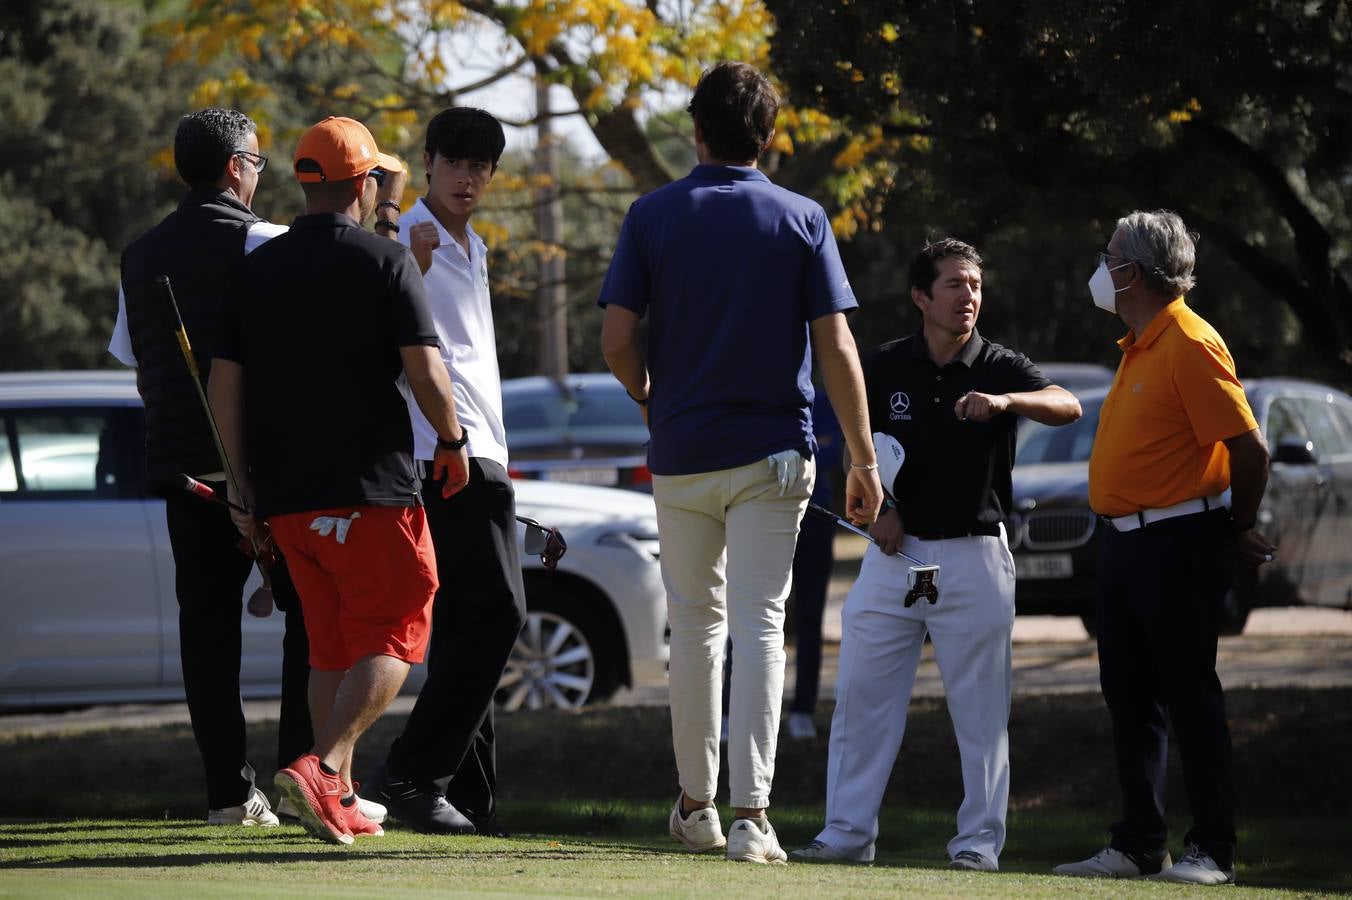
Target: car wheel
x,y
564,657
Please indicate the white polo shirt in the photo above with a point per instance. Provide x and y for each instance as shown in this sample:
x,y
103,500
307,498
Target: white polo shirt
x,y
457,294
120,344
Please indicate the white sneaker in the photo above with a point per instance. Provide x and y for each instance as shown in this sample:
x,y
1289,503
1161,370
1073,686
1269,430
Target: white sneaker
x,y
369,808
1196,867
820,852
1107,863
254,811
699,831
801,726
754,840
972,861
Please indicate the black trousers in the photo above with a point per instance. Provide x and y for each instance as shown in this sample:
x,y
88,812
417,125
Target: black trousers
x,y
812,560
476,616
209,577
1161,590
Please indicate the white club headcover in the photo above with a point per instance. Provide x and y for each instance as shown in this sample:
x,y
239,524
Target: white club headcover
x,y
890,457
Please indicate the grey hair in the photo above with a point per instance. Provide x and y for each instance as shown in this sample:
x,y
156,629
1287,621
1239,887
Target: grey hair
x,y
1161,245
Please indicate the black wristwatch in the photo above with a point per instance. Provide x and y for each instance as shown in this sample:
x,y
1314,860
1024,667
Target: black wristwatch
x,y
455,445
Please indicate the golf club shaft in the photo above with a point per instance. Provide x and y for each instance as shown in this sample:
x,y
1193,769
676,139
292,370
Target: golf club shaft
x,y
193,486
855,529
181,332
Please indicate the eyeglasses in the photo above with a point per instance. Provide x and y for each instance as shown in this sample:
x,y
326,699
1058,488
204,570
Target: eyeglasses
x,y
546,543
378,175
1106,258
257,160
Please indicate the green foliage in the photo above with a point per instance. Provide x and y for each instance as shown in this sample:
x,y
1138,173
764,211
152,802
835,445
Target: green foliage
x,y
1029,127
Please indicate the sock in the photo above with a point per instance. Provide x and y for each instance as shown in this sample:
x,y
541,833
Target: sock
x,y
348,800
326,770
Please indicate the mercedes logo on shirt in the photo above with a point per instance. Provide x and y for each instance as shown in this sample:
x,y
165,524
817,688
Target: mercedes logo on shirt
x,y
900,404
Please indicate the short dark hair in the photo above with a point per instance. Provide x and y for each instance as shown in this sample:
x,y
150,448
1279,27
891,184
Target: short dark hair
x,y
463,132
205,141
332,192
925,266
735,107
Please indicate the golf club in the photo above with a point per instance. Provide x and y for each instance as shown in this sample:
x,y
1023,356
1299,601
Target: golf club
x,y
259,605
922,579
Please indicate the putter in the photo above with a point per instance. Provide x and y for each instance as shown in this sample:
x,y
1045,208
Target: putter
x,y
922,579
260,603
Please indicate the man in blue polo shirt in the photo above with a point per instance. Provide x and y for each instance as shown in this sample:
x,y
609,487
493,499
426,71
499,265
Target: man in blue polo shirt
x,y
735,274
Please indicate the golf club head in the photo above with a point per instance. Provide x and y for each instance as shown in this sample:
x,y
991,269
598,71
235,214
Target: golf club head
x,y
922,582
260,603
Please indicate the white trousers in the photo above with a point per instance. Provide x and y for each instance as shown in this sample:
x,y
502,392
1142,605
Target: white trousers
x,y
970,628
727,555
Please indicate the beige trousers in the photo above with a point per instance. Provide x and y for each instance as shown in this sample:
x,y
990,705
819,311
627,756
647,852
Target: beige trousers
x,y
727,555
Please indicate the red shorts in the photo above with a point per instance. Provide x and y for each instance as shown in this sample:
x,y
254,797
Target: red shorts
x,y
366,576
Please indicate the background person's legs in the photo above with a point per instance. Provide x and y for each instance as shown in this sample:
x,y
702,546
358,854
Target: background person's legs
x,y
812,561
690,524
209,576
295,733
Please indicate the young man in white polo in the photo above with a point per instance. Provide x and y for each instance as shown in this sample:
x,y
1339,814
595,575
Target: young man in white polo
x,y
440,775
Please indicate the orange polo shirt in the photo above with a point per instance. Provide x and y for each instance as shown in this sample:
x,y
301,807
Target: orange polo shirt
x,y
1174,399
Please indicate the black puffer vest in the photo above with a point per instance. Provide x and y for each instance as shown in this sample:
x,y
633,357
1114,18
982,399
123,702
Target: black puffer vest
x,y
199,246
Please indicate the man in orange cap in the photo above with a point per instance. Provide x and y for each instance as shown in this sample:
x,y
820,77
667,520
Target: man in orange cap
x,y
323,322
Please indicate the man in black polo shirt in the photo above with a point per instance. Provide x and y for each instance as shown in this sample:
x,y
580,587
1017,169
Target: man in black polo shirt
x,y
304,387
201,246
952,399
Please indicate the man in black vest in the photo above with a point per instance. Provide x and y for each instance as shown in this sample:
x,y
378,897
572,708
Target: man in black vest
x,y
200,247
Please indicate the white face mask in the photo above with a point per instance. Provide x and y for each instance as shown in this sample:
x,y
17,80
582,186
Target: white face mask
x,y
1101,287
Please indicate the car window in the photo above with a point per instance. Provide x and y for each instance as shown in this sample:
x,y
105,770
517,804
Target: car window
x,y
1284,424
1343,412
51,454
589,408
1318,415
1040,443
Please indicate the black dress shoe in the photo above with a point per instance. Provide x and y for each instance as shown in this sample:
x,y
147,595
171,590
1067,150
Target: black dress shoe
x,y
420,806
490,826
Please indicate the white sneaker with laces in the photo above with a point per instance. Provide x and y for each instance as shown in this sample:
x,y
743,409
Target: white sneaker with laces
x,y
820,852
801,726
253,811
754,840
369,808
698,831
1196,867
1107,863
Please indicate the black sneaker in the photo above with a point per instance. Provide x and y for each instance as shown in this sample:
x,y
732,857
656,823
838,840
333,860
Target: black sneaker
x,y
489,825
420,806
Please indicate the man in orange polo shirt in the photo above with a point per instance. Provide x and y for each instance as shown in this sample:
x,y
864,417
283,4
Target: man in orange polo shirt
x,y
1174,433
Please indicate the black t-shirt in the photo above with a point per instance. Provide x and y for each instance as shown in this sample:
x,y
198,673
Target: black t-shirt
x,y
317,321
956,476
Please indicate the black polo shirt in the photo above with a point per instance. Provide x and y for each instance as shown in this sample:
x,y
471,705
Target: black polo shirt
x,y
317,321
955,479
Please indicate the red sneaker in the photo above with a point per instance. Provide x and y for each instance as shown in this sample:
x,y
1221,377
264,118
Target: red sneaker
x,y
357,823
316,797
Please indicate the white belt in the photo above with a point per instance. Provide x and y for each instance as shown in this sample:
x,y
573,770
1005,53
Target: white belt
x,y
1146,517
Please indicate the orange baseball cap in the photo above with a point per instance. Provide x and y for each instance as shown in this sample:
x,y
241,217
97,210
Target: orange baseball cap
x,y
337,149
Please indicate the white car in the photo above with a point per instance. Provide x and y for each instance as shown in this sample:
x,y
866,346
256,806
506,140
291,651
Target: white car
x,y
87,577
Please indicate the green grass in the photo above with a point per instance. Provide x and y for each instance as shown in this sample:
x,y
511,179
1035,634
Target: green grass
x,y
587,796
632,858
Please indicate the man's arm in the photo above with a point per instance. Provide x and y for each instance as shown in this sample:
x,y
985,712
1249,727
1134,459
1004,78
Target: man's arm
x,y
844,379
620,347
431,385
1248,480
392,191
225,393
1053,405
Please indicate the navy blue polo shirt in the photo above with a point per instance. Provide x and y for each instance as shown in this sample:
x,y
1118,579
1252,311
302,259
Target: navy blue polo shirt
x,y
730,269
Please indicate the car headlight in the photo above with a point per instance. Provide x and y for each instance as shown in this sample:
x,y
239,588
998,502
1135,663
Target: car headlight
x,y
644,543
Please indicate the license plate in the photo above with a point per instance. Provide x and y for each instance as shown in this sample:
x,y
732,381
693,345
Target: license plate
x,y
1042,565
601,475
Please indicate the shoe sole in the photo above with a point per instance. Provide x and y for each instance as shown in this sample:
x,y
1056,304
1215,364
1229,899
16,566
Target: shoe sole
x,y
758,859
304,801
